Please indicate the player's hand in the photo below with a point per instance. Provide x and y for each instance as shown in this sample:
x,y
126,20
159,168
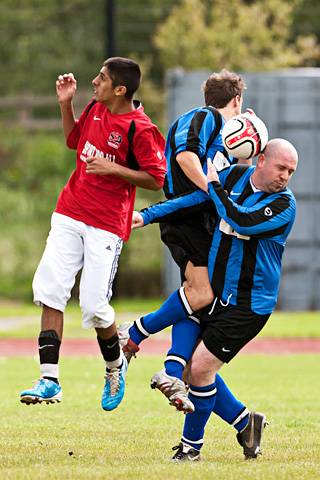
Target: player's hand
x,y
137,220
66,87
212,175
101,165
249,110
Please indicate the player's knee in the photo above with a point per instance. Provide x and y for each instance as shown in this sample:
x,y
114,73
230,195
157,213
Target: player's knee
x,y
87,308
94,315
207,297
198,373
200,298
44,295
48,289
88,313
91,320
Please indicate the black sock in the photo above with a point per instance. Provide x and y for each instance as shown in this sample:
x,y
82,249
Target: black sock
x,y
49,346
55,380
110,348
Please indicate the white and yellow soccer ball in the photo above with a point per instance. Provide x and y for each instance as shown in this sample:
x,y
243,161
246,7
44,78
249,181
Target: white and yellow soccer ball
x,y
245,135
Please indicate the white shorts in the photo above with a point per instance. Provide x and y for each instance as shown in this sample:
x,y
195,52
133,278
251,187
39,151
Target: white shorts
x,y
72,245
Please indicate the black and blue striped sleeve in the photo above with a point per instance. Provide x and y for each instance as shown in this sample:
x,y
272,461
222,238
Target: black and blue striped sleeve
x,y
177,207
269,217
193,132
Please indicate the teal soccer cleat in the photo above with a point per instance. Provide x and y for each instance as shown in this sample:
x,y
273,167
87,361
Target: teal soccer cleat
x,y
114,387
44,390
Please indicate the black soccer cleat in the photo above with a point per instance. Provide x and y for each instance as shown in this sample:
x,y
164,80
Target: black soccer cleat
x,y
185,453
250,437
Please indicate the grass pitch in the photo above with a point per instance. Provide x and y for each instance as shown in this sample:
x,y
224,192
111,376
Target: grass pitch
x,y
78,440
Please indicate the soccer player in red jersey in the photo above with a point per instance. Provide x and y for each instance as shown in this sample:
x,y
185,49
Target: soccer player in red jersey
x,y
118,148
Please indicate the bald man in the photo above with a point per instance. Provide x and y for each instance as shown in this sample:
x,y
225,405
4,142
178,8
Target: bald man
x,y
256,212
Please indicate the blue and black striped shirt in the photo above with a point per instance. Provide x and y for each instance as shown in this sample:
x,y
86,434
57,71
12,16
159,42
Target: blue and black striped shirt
x,y
249,237
197,131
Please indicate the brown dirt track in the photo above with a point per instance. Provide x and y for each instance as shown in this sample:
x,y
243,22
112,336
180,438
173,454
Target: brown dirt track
x,y
159,346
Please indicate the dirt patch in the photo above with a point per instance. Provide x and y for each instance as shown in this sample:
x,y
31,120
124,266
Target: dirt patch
x,y
159,346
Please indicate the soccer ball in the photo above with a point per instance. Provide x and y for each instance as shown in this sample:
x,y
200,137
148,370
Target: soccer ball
x,y
245,135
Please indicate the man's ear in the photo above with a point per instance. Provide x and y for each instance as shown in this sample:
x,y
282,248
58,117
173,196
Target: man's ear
x,y
120,91
236,101
261,160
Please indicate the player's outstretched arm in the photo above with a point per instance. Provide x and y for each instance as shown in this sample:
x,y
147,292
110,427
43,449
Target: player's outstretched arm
x,y
176,207
66,86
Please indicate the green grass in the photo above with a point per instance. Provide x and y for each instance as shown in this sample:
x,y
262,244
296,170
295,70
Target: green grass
x,y
134,442
22,321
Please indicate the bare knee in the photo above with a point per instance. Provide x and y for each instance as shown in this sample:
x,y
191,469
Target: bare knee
x,y
206,297
197,373
204,366
197,287
199,297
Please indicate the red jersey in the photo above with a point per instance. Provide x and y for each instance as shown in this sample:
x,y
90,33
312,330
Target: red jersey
x,y
107,201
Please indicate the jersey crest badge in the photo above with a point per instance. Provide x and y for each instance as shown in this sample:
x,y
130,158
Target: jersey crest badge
x,y
114,140
268,212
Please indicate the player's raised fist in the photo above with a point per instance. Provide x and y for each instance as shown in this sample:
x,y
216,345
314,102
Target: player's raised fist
x,y
66,86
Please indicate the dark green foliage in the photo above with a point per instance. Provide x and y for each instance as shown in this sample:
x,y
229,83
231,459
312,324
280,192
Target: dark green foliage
x,y
39,39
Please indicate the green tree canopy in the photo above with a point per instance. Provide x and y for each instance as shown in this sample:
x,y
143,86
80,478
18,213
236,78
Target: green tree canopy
x,y
40,39
240,35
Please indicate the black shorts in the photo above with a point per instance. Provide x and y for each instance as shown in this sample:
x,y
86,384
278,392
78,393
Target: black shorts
x,y
187,242
229,328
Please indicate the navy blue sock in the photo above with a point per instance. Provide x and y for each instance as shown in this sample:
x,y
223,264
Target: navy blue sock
x,y
228,407
175,308
203,399
185,334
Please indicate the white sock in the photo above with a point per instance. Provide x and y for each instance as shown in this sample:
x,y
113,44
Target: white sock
x,y
116,363
49,370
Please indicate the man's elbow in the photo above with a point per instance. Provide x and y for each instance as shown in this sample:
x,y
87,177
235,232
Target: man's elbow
x,y
71,142
156,183
71,146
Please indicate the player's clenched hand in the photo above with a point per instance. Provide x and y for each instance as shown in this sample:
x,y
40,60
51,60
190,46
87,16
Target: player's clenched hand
x,y
137,220
101,165
66,86
212,175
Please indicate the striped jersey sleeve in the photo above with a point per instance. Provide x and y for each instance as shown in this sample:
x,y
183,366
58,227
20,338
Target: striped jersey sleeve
x,y
193,131
270,216
176,207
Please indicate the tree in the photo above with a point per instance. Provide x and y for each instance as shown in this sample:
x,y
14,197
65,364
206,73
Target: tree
x,y
240,35
39,39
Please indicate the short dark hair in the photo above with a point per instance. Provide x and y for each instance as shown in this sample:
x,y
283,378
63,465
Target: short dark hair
x,y
124,71
221,87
